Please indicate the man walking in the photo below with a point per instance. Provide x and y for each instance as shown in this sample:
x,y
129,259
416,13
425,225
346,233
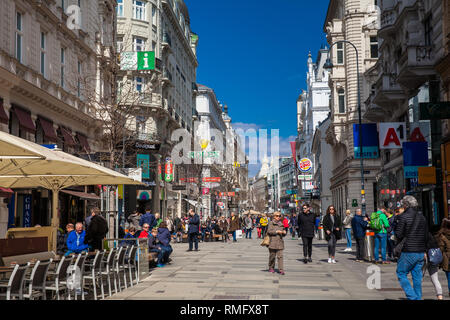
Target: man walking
x,y
148,218
96,230
306,229
234,225
294,225
248,226
193,230
411,226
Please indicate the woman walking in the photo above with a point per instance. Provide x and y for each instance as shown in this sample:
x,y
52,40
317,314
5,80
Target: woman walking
x,y
433,268
443,239
276,233
306,222
264,222
332,227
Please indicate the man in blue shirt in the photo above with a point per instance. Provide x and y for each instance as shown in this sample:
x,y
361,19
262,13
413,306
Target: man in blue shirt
x,y
149,218
75,240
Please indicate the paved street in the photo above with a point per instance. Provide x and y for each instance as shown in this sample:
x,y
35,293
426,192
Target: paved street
x,y
238,271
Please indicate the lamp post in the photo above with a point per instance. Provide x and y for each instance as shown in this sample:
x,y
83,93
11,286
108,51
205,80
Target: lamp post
x,y
203,144
329,65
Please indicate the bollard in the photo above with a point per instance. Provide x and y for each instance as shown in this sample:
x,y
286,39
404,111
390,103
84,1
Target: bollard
x,y
368,245
321,233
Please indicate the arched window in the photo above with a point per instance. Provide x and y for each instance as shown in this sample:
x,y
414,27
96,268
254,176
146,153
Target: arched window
x,y
341,100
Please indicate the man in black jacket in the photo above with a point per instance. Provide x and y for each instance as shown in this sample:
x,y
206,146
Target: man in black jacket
x,y
96,230
411,226
306,221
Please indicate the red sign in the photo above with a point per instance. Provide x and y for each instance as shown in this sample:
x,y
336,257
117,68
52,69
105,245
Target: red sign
x,y
382,191
227,194
212,179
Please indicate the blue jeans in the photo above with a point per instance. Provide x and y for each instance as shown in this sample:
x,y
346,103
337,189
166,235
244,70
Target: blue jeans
x,y
247,233
411,262
447,273
380,238
193,240
166,251
234,235
348,236
160,255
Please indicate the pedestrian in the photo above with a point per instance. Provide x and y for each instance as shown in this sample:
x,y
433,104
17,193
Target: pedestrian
x,y
294,225
306,221
390,234
170,225
148,218
62,239
179,229
443,240
193,230
411,227
248,222
204,230
155,246
276,233
285,223
347,223
223,226
158,220
433,268
88,219
164,238
316,226
258,225
332,227
96,230
145,231
264,221
133,220
234,225
359,225
379,224
75,240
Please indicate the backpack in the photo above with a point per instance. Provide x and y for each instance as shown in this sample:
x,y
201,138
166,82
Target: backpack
x,y
375,221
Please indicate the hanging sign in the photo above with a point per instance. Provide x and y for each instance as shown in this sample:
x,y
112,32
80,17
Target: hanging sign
x,y
392,135
305,165
27,210
169,170
415,155
369,139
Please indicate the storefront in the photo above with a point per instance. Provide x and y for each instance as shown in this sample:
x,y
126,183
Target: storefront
x,y
445,154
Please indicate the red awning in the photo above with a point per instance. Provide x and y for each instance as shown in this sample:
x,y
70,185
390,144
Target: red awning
x,y
68,138
6,193
3,116
49,130
82,195
84,142
25,121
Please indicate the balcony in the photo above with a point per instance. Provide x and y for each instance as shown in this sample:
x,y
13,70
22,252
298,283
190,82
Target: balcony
x,y
166,77
387,23
166,42
388,90
416,66
148,137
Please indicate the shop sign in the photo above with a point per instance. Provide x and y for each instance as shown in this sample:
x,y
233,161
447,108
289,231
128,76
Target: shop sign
x,y
143,161
392,135
427,175
27,210
305,165
168,170
305,177
370,148
415,155
435,110
180,187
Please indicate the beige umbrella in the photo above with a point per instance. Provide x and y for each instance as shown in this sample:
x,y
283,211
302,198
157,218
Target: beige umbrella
x,y
29,165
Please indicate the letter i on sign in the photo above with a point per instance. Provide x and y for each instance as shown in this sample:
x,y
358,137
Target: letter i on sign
x,y
146,66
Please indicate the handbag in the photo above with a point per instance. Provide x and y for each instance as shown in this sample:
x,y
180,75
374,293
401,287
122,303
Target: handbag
x,y
399,247
435,256
266,241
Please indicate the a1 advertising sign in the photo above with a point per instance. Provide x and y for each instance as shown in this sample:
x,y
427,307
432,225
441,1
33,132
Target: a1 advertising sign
x,y
392,135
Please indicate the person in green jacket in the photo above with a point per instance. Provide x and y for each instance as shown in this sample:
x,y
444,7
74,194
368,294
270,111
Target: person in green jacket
x,y
381,238
158,220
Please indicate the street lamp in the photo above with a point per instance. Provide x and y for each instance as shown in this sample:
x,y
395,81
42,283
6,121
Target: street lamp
x,y
329,65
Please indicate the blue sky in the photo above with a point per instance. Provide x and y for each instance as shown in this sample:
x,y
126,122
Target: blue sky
x,y
253,54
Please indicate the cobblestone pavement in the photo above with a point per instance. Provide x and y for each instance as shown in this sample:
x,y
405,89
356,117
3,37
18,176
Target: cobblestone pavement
x,y
239,271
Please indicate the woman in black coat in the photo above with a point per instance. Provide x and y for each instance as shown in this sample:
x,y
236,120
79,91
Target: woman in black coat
x,y
332,227
306,222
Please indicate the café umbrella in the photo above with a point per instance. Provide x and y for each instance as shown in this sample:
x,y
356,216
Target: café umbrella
x,y
24,164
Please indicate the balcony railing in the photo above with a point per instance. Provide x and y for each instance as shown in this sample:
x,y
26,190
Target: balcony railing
x,y
416,65
151,137
167,39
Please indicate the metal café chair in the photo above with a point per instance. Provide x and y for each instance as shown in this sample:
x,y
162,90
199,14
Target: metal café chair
x,y
58,279
14,286
35,284
80,265
132,264
108,268
120,267
93,273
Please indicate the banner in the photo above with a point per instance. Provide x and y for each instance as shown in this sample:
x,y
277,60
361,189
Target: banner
x,y
415,155
27,210
169,170
369,140
143,161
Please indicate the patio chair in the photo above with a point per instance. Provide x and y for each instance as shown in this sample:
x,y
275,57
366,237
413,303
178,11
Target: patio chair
x,y
93,273
14,286
108,268
120,267
132,265
35,284
79,263
58,280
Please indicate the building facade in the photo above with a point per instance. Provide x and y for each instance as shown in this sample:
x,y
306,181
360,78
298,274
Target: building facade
x,y
354,21
54,56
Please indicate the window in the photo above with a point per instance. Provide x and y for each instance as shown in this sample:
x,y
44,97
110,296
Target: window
x,y
63,65
154,15
340,53
139,44
120,8
43,52
373,47
119,44
19,36
139,82
341,100
428,31
139,10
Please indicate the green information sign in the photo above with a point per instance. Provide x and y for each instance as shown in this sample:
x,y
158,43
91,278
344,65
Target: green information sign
x,y
354,203
141,60
432,111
